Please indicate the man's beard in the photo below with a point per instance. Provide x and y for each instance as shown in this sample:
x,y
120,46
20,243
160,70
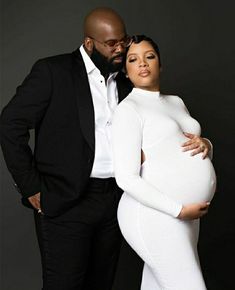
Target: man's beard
x,y
105,65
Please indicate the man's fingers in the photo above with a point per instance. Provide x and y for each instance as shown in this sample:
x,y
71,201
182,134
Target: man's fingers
x,y
35,201
36,205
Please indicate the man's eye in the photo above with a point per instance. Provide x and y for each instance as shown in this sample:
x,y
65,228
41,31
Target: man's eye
x,y
111,43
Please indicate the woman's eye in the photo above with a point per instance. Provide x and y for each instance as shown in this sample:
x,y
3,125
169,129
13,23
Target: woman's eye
x,y
151,56
132,59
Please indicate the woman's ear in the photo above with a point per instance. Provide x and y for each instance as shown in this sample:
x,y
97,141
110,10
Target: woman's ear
x,y
88,44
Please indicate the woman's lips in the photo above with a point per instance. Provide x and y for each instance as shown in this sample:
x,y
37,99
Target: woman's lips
x,y
144,73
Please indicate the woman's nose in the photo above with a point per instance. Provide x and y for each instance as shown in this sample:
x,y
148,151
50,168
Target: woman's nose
x,y
142,63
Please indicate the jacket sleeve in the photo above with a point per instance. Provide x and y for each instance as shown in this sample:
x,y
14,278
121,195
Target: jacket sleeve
x,y
24,112
127,142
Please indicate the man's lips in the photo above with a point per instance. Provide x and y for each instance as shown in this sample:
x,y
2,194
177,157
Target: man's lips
x,y
144,73
118,59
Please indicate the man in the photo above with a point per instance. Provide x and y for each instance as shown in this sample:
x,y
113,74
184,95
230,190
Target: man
x,y
69,101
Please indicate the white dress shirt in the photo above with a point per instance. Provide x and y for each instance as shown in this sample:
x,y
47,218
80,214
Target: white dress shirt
x,y
105,99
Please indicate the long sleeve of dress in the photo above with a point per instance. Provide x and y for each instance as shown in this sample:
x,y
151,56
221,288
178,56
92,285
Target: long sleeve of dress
x,y
127,143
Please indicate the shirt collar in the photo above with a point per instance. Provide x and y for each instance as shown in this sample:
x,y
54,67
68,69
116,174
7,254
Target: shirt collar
x,y
89,64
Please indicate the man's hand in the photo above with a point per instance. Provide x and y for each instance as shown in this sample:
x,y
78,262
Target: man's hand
x,y
194,211
197,144
35,201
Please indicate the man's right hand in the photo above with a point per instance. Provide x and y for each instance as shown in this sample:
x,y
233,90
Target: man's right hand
x,y
194,211
35,201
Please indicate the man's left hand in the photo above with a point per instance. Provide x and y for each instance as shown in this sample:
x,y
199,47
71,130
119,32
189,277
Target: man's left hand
x,y
197,144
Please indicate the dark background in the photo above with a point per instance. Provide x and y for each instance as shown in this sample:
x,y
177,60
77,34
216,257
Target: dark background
x,y
197,44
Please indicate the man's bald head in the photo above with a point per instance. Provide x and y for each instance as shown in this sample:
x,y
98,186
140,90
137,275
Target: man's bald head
x,y
102,20
104,39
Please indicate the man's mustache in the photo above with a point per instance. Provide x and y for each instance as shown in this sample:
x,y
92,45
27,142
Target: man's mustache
x,y
118,55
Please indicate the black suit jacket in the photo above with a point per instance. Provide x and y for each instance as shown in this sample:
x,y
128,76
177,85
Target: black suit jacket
x,y
56,101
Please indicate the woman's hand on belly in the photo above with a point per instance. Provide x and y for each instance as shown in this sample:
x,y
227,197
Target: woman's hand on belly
x,y
197,144
194,211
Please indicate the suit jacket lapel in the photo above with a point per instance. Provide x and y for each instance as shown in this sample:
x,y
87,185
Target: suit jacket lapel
x,y
84,99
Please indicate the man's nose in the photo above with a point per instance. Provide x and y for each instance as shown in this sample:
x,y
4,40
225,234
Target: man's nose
x,y
120,48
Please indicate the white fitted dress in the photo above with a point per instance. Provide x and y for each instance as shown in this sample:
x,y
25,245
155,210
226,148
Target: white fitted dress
x,y
155,192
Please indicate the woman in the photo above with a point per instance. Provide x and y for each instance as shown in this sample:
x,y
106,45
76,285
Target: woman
x,y
165,196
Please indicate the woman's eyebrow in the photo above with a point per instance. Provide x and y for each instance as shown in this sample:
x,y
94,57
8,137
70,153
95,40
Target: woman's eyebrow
x,y
131,54
150,50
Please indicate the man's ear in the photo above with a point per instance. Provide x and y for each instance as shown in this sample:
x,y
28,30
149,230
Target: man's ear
x,y
88,44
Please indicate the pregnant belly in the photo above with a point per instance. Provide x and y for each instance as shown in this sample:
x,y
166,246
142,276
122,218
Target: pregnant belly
x,y
187,179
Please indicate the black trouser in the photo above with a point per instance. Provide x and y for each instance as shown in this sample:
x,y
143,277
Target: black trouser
x,y
80,248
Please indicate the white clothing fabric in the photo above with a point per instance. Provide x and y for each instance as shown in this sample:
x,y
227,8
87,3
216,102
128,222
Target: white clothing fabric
x,y
105,100
156,191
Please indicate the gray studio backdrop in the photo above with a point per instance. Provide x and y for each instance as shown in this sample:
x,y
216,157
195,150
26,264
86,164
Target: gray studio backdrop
x,y
197,45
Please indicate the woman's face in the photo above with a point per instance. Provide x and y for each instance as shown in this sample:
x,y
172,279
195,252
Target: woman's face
x,y
142,65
